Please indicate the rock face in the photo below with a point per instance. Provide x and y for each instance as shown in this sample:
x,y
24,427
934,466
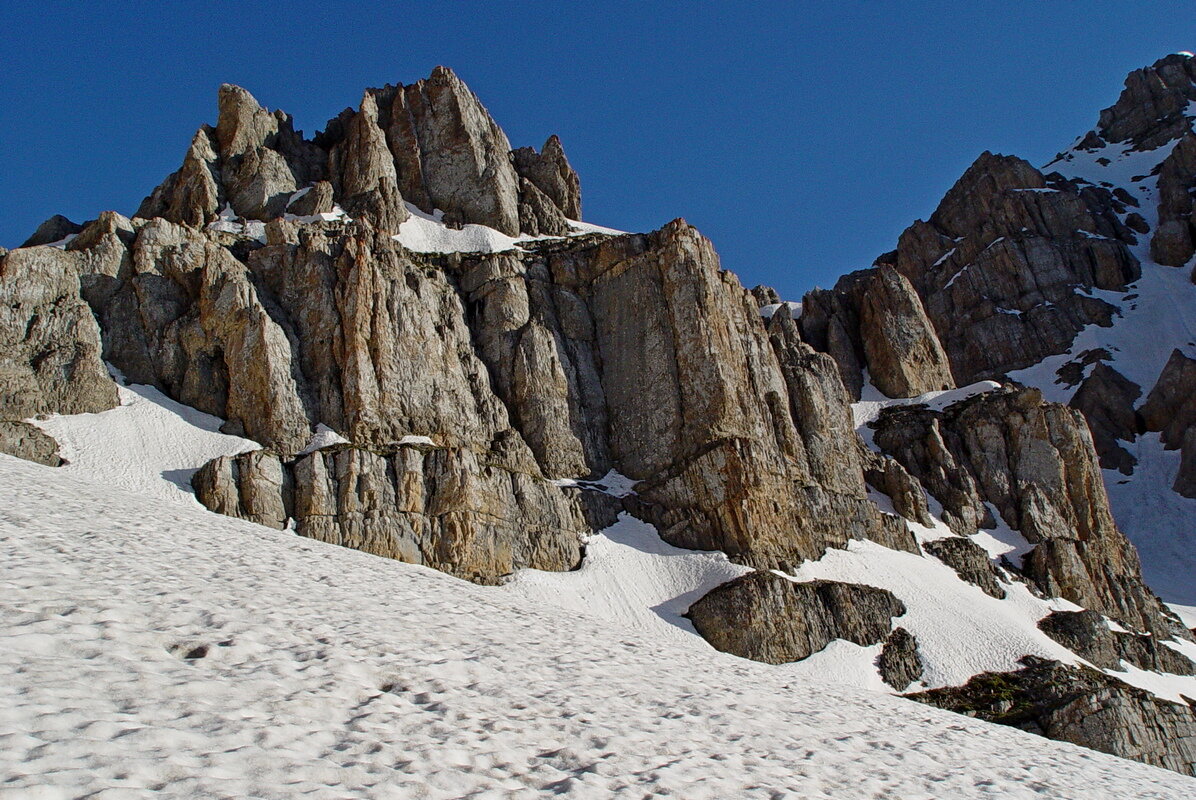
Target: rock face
x,y
1087,634
55,229
1033,463
431,143
1106,399
49,341
1171,405
420,504
550,172
1151,109
263,282
1082,706
996,268
970,560
1170,408
875,319
765,617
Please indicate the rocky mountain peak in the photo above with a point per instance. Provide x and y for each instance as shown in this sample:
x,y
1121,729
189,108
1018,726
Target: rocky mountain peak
x,y
431,143
1153,108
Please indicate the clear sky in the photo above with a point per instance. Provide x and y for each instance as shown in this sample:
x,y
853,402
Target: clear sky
x,y
800,137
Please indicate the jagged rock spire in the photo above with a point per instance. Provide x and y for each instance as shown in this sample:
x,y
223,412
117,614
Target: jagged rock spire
x,y
430,143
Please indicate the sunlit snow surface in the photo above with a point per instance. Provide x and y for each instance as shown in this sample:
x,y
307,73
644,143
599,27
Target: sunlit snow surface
x,y
427,233
153,646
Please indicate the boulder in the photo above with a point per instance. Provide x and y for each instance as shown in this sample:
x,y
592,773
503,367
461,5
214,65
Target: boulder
x,y
765,617
23,440
899,664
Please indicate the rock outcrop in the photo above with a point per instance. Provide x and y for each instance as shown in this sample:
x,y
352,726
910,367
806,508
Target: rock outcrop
x,y
550,172
1170,408
49,342
765,617
55,229
1082,706
474,394
1152,108
1087,634
874,319
970,561
899,664
442,507
996,268
23,440
1032,462
1106,399
431,143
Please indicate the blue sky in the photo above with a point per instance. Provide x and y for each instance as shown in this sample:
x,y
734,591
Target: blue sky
x,y
800,137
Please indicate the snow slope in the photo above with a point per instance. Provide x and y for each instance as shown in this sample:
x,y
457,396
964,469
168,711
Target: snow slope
x,y
153,646
148,444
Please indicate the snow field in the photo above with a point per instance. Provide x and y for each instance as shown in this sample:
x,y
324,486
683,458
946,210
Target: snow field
x,y
154,647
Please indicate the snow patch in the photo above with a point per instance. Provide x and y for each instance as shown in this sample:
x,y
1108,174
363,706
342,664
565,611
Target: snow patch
x,y
323,437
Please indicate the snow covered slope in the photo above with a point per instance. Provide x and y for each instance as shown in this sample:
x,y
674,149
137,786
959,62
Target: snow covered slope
x,y
151,645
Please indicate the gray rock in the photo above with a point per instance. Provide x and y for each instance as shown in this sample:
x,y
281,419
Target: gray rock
x,y
1172,243
440,507
765,617
1151,109
318,199
538,215
903,353
1035,464
29,442
899,663
49,341
550,171
192,195
970,561
888,476
1185,478
449,153
363,171
1106,399
55,229
1171,405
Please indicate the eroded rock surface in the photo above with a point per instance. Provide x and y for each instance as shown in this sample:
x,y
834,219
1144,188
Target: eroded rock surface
x,y
49,342
970,561
23,440
442,507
